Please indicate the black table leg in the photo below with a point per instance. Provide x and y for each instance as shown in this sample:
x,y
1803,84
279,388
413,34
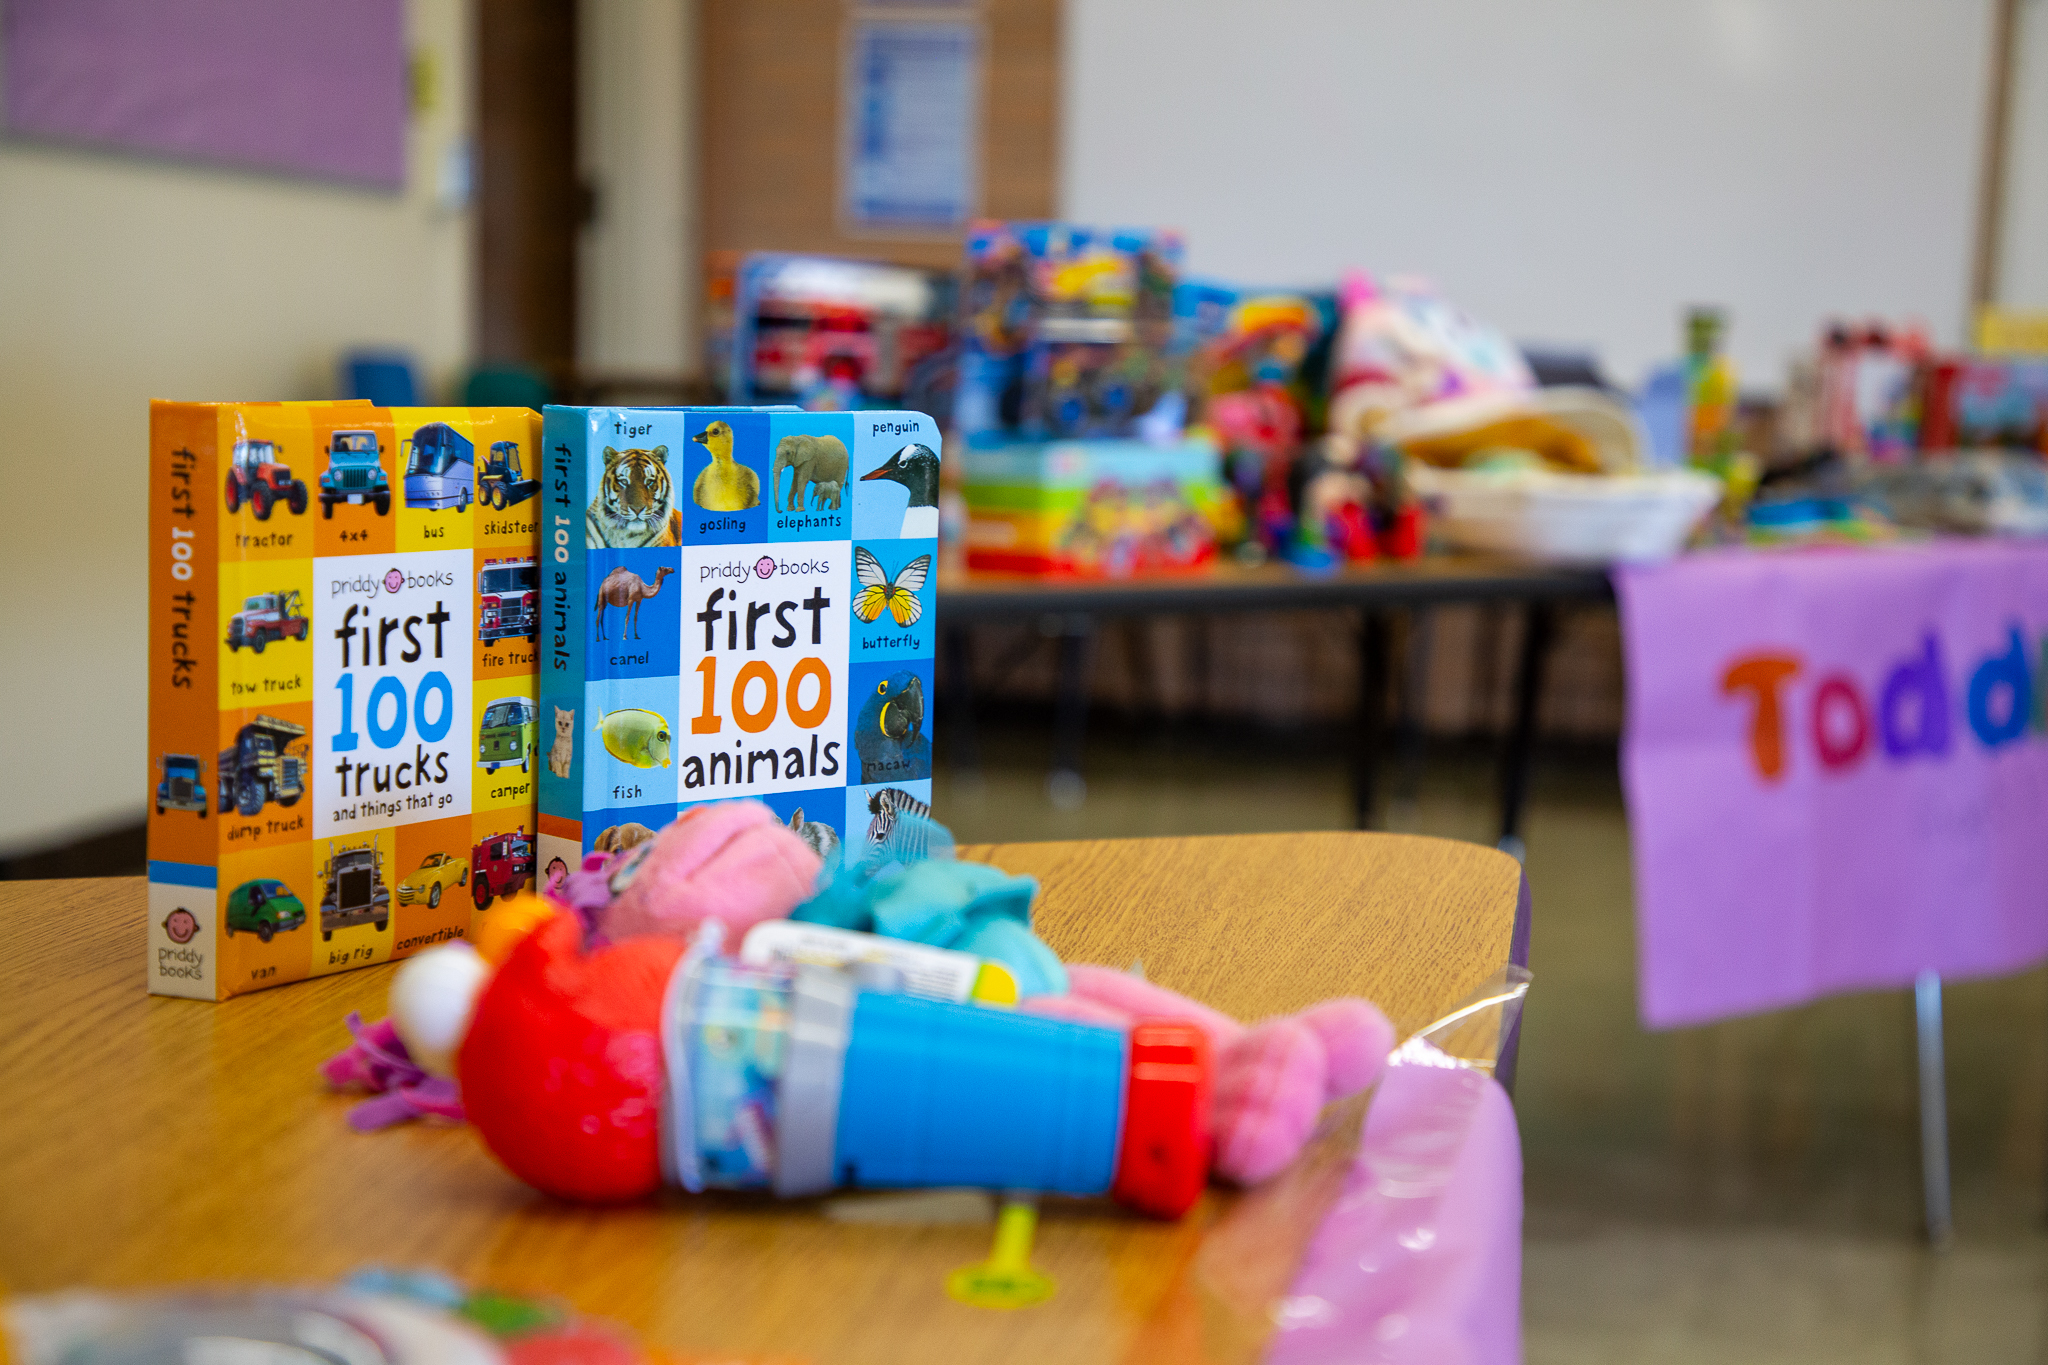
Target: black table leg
x,y
1065,786
1372,716
958,643
1539,627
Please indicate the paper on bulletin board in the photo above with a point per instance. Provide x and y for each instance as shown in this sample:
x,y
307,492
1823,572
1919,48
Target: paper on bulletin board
x,y
910,124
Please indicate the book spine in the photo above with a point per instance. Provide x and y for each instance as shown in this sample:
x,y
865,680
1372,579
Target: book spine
x,y
565,439
184,699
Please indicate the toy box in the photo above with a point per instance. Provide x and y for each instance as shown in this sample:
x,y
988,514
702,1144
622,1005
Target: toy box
x,y
1985,402
341,686
835,335
1067,331
1093,508
737,602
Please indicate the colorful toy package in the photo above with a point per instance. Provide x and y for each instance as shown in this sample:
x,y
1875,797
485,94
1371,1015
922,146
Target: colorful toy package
x,y
831,334
1069,331
737,602
1094,508
341,696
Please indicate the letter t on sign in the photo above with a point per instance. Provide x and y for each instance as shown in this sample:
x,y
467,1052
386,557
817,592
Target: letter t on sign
x,y
1763,674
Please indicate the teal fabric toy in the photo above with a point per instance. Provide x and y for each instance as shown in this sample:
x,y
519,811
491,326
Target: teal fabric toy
x,y
912,888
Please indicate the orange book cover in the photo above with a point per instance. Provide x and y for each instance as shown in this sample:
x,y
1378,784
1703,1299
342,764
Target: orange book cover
x,y
341,684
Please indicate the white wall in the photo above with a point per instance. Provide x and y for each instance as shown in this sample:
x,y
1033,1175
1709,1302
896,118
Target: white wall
x,y
638,277
1576,171
123,280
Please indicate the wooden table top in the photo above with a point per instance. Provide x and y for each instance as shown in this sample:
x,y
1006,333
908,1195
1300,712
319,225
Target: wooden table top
x,y
1228,586
147,1140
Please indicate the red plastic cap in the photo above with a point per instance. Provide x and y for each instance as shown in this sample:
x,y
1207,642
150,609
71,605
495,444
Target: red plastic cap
x,y
1164,1162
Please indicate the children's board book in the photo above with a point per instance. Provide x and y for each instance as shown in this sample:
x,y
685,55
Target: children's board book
x,y
342,712
737,602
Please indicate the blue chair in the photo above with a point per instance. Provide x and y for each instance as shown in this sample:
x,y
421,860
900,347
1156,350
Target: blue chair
x,y
383,377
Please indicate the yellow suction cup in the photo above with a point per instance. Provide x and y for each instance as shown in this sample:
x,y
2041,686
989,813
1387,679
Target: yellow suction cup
x,y
1005,1279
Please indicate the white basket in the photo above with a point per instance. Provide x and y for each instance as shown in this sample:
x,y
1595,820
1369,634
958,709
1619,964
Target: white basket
x,y
1577,517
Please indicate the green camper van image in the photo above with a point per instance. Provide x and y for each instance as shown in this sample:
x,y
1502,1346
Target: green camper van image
x,y
265,907
507,734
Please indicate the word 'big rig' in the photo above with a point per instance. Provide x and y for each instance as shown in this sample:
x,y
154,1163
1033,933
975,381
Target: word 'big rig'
x,y
258,768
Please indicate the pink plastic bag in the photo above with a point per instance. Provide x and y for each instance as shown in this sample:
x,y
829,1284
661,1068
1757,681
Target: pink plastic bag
x,y
1420,1258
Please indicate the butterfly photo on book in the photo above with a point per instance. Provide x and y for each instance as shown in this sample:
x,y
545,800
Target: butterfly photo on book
x,y
879,591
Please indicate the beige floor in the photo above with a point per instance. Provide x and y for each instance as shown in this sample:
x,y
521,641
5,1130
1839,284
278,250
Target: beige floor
x,y
1746,1192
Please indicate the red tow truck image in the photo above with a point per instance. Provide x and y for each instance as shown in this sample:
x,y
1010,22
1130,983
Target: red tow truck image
x,y
265,617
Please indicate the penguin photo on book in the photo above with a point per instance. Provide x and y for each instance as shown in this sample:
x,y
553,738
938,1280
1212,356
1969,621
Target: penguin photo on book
x,y
916,467
889,735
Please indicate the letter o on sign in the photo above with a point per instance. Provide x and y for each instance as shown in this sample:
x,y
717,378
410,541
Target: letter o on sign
x,y
812,716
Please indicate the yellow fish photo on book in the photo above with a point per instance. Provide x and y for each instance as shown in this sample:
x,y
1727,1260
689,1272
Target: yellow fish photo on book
x,y
879,591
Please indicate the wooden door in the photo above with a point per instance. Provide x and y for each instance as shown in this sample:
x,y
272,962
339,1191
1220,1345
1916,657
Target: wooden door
x,y
530,202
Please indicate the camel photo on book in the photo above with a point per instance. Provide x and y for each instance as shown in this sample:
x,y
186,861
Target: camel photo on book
x,y
626,590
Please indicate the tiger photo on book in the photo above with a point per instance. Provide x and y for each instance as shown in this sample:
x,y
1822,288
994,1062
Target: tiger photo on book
x,y
635,506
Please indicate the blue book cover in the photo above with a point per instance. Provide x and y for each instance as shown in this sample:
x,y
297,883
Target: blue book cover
x,y
739,602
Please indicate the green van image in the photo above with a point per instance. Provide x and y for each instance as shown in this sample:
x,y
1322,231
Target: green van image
x,y
264,907
507,734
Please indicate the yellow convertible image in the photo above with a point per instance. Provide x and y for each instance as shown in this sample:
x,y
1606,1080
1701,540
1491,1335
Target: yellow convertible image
x,y
435,874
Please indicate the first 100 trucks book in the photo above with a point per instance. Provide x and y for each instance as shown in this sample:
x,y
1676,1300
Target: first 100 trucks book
x,y
343,719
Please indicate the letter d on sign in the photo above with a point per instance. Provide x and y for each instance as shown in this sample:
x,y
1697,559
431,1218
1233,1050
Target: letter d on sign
x,y
1763,674
2005,673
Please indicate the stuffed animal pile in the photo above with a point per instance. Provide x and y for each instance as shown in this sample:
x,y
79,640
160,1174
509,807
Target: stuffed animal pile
x,y
549,1021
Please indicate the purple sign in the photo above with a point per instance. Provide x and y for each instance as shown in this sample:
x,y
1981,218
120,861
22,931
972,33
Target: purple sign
x,y
1837,771
308,89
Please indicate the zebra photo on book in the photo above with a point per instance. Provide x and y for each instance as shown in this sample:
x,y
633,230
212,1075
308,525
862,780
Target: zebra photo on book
x,y
886,805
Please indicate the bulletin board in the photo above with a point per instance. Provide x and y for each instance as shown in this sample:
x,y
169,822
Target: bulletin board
x,y
315,90
772,113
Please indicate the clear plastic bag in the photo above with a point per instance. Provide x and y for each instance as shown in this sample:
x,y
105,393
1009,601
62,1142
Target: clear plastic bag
x,y
1395,1236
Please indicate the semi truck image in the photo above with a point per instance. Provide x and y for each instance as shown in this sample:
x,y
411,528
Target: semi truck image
x,y
265,617
355,891
181,788
507,592
263,766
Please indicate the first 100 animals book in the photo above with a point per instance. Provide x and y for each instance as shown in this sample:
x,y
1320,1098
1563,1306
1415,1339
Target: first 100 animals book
x,y
342,710
736,602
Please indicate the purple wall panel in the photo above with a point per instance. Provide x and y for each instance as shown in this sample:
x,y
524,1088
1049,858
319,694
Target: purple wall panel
x,y
307,87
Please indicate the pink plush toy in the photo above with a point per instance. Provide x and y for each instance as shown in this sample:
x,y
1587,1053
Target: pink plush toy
x,y
735,862
1272,1079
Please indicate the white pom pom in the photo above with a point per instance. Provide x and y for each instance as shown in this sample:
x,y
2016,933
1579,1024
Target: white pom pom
x,y
431,998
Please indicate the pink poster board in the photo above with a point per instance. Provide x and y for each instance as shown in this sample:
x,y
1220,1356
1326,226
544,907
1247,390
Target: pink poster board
x,y
1837,770
306,89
